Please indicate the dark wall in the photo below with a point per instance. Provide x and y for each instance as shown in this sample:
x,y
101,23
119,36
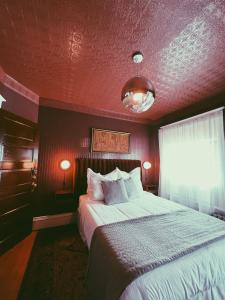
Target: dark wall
x,y
67,135
18,104
205,105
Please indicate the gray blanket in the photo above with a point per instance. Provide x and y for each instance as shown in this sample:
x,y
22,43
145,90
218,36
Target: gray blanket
x,y
120,252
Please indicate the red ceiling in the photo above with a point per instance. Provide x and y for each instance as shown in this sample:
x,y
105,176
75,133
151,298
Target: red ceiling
x,y
79,52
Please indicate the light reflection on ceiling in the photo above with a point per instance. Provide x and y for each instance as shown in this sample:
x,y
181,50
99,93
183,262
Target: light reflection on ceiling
x,y
185,52
74,45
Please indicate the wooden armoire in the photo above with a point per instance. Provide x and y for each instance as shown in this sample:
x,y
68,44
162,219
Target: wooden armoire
x,y
18,172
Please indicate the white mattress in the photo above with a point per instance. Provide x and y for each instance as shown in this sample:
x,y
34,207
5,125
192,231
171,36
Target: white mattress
x,y
198,275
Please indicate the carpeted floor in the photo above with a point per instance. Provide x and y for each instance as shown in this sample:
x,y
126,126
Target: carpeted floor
x,y
57,266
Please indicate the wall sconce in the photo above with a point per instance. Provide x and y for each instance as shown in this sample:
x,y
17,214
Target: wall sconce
x,y
65,165
146,166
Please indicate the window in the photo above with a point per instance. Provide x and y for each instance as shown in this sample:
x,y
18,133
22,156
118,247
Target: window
x,y
192,162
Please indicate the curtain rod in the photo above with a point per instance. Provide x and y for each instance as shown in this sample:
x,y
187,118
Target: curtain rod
x,y
194,117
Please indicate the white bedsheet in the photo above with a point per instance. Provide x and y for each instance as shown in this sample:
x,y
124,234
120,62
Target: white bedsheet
x,y
198,275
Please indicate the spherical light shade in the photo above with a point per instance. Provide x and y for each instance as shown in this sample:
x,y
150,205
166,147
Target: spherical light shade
x,y
65,164
138,94
147,165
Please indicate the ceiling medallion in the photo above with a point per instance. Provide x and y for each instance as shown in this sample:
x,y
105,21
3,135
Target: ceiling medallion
x,y
138,94
137,57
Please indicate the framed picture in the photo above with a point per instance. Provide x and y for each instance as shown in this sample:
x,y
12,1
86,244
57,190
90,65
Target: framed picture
x,y
110,141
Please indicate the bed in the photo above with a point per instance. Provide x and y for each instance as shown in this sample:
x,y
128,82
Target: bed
x,y
199,274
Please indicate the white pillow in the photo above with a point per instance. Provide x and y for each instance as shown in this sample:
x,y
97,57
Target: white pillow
x,y
135,174
94,187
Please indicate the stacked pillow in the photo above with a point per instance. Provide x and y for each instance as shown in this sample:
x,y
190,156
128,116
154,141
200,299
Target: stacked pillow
x,y
131,188
94,186
115,187
135,176
114,192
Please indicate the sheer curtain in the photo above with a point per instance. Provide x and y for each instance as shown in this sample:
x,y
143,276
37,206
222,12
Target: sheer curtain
x,y
192,162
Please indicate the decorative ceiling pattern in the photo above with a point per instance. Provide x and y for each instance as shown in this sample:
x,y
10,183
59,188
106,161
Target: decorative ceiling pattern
x,y
78,53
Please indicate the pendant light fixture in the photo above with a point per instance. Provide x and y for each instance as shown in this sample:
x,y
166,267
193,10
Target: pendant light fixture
x,y
138,94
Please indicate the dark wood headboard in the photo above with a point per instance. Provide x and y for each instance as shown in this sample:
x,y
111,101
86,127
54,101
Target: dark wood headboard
x,y
103,166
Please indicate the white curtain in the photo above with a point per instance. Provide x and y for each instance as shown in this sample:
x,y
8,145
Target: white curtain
x,y
192,162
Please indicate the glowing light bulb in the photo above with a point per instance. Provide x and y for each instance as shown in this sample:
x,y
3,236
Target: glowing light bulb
x,y
147,165
138,96
65,164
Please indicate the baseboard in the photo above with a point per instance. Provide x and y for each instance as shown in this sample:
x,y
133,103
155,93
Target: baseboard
x,y
53,220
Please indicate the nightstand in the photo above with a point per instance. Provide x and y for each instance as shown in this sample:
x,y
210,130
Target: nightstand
x,y
151,188
64,201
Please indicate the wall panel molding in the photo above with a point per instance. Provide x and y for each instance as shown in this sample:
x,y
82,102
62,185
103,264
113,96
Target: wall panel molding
x,y
91,111
18,87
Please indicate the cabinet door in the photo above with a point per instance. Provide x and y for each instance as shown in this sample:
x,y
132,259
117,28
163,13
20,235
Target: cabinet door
x,y
17,178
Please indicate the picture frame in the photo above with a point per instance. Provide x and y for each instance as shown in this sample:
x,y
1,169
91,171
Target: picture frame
x,y
110,141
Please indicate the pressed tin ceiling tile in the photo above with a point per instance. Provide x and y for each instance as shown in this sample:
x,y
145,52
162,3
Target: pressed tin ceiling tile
x,y
79,52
